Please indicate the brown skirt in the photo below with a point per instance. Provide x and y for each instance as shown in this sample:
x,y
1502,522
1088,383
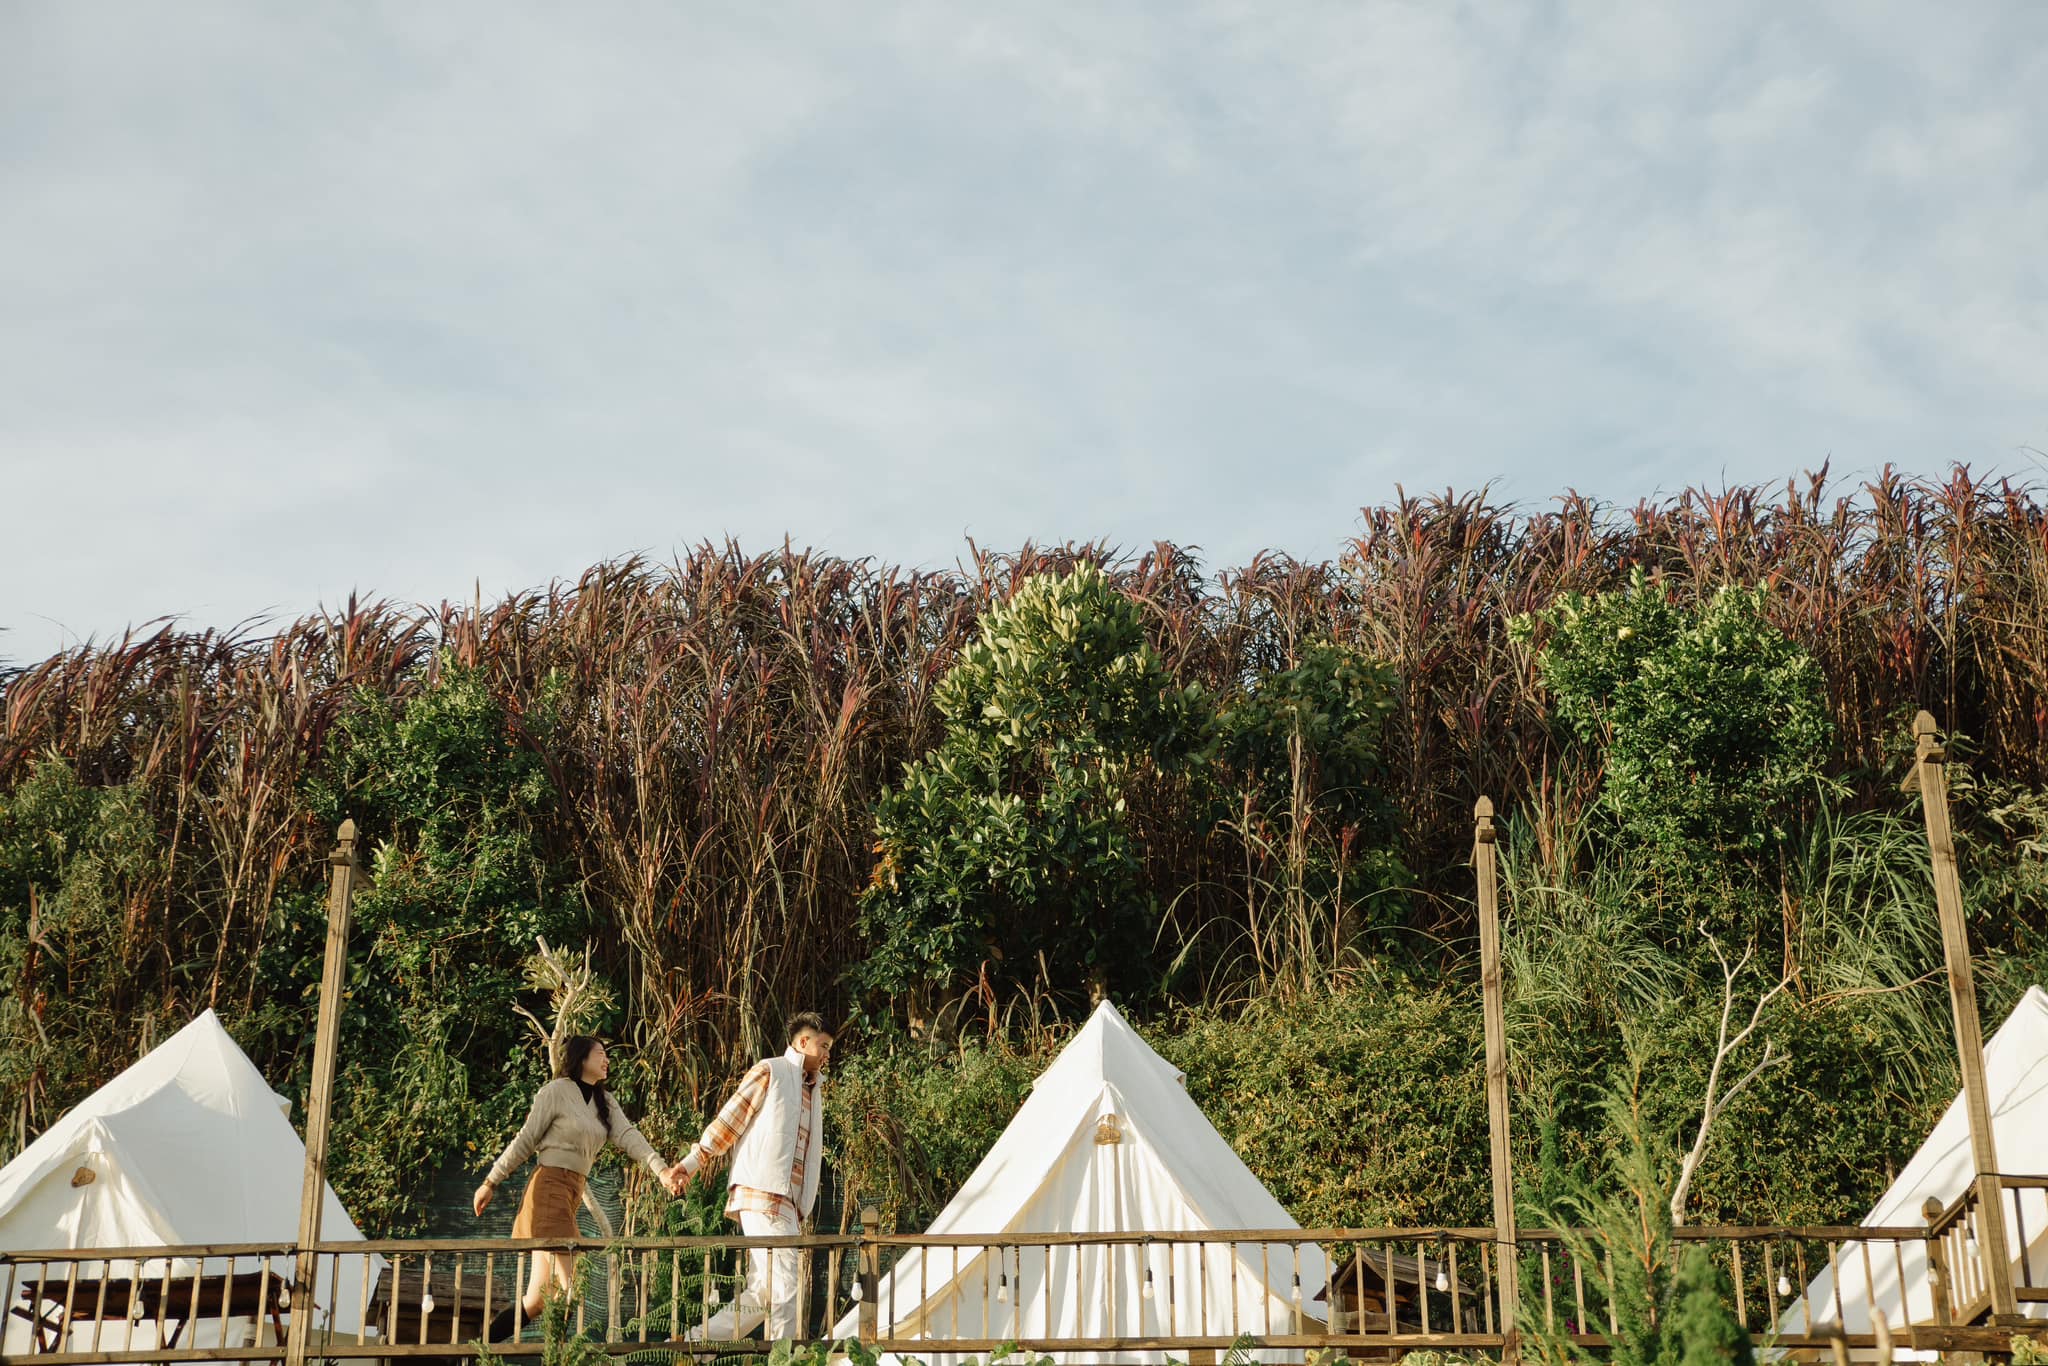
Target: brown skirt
x,y
548,1210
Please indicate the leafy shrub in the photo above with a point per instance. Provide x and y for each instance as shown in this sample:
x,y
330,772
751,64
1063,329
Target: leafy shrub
x,y
2002,842
1356,1108
1304,778
1670,1308
1324,719
1011,840
1810,1142
1367,1107
432,1058
908,1127
1714,723
77,873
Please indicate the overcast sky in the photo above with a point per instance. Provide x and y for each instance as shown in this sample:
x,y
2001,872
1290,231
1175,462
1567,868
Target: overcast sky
x,y
303,298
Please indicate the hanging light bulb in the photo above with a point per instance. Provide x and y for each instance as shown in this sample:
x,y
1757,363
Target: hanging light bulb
x,y
1970,1244
1297,1290
711,1295
1784,1286
858,1293
1002,1289
1443,1280
427,1302
284,1297
1147,1291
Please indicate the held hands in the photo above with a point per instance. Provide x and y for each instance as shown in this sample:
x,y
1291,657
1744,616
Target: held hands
x,y
483,1198
676,1179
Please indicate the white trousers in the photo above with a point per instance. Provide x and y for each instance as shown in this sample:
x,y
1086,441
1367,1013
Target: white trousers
x,y
772,1285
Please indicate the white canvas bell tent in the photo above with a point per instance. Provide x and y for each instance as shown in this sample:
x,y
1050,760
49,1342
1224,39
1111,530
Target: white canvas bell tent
x,y
189,1146
1108,1141
2016,1083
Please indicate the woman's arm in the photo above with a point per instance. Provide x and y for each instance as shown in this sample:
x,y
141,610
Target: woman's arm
x,y
628,1139
546,1105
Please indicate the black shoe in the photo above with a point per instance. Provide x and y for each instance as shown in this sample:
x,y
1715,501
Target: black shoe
x,y
500,1326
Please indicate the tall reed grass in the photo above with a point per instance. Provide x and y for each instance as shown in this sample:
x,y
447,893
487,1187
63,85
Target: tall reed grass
x,y
717,727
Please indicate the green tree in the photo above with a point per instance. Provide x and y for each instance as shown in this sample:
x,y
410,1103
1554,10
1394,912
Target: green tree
x,y
1012,838
434,1062
1713,724
1307,777
78,868
1670,1308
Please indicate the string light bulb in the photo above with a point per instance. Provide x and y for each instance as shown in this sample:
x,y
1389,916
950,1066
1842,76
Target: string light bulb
x,y
1147,1290
1969,1244
427,1302
858,1293
711,1295
1784,1286
1297,1290
1003,1289
1443,1280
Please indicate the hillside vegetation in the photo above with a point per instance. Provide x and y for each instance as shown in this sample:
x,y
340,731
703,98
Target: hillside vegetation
x,y
946,807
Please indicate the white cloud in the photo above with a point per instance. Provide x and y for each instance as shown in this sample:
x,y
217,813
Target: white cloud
x,y
524,286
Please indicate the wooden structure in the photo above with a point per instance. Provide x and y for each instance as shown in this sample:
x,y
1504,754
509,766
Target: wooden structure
x,y
1494,1002
1929,776
320,1104
417,1302
170,1305
1381,1291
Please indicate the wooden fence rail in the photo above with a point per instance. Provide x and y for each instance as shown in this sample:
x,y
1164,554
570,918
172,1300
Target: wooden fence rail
x,y
1368,1293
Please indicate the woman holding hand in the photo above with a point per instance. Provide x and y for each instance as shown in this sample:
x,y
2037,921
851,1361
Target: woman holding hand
x,y
572,1118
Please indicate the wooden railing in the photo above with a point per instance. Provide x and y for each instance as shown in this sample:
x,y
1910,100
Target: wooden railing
x,y
1965,1289
1370,1294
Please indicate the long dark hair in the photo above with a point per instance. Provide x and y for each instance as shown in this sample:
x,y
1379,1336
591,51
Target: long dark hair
x,y
573,1053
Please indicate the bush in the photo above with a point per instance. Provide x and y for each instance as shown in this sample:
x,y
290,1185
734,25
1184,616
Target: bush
x,y
908,1127
432,1057
1356,1108
1670,1307
1304,776
1810,1142
78,879
1713,723
1011,841
1367,1107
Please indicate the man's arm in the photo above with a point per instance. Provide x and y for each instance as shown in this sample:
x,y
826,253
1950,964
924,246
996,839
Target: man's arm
x,y
729,1123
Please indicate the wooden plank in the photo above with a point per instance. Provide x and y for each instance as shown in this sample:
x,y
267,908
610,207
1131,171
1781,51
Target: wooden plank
x,y
1929,762
1499,1153
413,1247
319,1106
870,1273
154,1251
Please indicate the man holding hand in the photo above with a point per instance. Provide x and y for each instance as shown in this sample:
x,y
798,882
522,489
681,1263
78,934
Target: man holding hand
x,y
774,1128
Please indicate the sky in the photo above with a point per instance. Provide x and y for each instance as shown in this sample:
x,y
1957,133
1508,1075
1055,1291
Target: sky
x,y
416,301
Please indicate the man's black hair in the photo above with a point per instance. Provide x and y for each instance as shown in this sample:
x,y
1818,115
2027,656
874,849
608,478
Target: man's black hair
x,y
806,1019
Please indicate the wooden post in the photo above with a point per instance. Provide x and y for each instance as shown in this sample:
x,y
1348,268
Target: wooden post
x,y
870,1274
319,1104
1929,776
1932,1209
1501,1157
